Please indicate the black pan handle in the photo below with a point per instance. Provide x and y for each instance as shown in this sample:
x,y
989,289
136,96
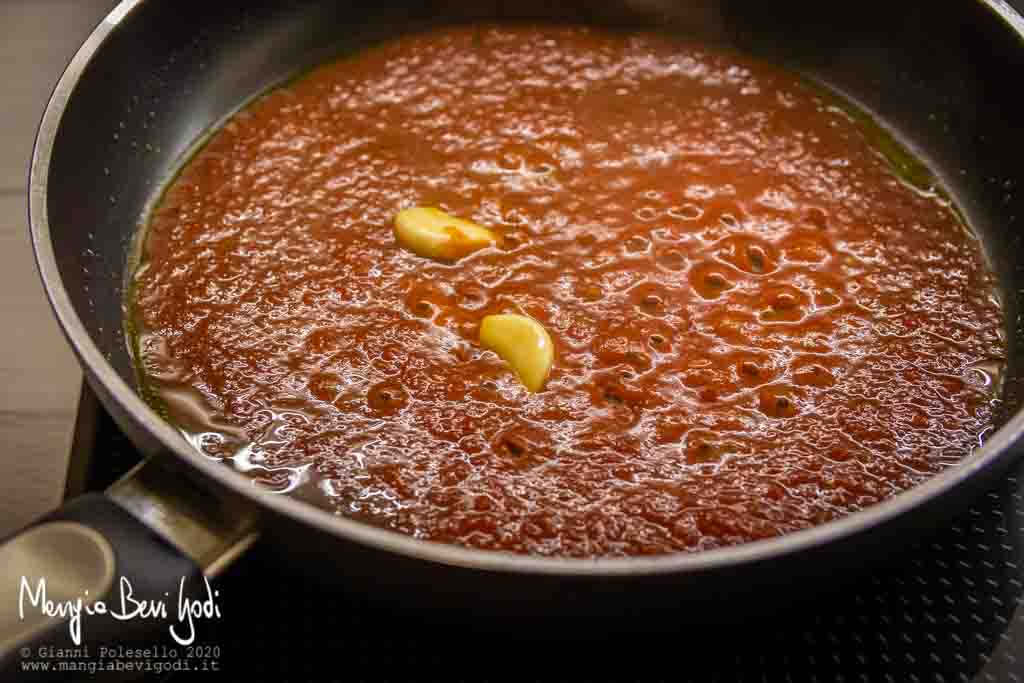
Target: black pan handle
x,y
106,573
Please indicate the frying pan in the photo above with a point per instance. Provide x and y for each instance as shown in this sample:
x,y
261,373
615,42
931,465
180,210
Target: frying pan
x,y
155,75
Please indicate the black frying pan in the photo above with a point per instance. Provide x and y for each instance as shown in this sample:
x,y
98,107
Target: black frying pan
x,y
156,74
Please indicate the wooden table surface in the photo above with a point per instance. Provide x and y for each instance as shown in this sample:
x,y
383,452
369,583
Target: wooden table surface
x,y
39,377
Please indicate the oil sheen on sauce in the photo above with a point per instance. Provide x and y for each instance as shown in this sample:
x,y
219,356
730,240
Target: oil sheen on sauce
x,y
759,326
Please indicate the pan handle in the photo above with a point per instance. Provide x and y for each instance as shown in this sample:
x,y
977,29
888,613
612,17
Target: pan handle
x,y
128,568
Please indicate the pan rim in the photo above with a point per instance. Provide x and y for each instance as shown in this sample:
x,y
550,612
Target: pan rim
x,y
996,451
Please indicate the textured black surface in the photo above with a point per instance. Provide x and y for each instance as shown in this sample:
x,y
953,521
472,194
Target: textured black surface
x,y
946,611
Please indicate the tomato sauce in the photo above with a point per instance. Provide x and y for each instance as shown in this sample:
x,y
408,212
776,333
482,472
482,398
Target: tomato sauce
x,y
759,326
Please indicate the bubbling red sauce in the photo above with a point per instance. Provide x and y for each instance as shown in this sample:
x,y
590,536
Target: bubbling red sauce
x,y
758,326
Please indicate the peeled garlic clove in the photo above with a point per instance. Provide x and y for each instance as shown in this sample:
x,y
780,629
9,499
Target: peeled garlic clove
x,y
521,342
434,234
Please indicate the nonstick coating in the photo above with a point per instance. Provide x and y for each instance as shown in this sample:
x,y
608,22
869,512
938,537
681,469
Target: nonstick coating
x,y
156,75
